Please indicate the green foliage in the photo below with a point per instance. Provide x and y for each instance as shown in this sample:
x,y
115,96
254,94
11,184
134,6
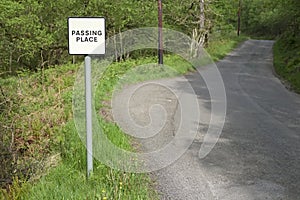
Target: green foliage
x,y
34,32
270,17
287,59
22,37
224,14
33,110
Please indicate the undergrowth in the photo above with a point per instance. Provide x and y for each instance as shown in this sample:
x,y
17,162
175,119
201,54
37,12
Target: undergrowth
x,y
222,43
287,59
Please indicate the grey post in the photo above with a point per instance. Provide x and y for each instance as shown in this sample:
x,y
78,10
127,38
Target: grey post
x,y
88,107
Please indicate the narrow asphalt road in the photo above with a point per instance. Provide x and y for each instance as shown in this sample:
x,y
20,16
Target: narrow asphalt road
x,y
258,153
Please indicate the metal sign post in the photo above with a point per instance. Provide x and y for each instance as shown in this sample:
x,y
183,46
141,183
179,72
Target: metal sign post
x,y
87,37
88,113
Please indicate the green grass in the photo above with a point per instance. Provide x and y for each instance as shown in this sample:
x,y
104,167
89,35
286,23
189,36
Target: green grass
x,y
221,44
287,59
38,108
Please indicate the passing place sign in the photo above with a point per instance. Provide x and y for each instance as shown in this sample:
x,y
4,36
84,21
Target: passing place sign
x,y
86,35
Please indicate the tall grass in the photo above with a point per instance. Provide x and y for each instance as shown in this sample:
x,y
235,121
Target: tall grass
x,y
287,59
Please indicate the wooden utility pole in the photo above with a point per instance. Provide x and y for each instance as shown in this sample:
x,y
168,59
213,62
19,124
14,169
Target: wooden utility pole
x,y
239,18
160,34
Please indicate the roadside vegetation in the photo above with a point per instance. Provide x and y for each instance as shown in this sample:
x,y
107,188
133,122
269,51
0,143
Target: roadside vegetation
x,y
47,148
222,44
41,154
287,60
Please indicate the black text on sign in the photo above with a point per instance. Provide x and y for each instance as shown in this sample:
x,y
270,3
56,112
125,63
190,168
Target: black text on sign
x,y
86,35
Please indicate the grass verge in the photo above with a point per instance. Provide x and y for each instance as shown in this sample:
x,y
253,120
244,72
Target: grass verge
x,y
287,59
47,156
222,43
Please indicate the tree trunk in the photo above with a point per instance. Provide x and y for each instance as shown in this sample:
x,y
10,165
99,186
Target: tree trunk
x,y
202,15
200,34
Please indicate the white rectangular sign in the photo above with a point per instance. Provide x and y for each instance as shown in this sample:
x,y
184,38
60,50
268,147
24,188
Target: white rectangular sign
x,y
86,35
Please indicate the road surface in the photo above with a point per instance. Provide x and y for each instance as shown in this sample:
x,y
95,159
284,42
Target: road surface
x,y
258,154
